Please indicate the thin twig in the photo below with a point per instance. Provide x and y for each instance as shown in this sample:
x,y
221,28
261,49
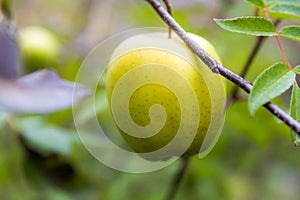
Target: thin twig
x,y
277,37
219,68
97,12
177,179
169,9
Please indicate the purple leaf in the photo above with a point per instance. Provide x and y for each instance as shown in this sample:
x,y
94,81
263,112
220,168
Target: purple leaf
x,y
40,92
9,54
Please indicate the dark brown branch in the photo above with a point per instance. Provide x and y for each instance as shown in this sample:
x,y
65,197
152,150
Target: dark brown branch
x,y
177,179
254,52
250,60
219,68
246,68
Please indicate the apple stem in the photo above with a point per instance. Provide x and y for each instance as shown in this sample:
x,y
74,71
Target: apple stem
x,y
169,9
218,67
178,177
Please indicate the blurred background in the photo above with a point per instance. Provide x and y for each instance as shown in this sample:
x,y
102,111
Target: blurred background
x,y
41,156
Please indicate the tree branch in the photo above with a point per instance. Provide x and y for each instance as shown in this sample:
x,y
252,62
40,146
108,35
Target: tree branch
x,y
217,67
6,15
6,9
246,68
178,178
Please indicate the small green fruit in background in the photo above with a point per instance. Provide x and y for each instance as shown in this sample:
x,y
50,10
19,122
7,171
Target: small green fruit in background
x,y
40,48
154,72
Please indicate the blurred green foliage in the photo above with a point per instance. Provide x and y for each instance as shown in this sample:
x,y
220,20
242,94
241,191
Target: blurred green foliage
x,y
41,157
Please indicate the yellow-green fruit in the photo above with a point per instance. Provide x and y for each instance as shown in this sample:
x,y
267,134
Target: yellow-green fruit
x,y
40,47
162,88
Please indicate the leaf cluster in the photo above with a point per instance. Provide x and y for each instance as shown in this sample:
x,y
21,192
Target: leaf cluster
x,y
278,77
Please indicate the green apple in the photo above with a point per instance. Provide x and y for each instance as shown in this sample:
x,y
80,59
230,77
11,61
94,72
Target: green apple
x,y
40,47
157,88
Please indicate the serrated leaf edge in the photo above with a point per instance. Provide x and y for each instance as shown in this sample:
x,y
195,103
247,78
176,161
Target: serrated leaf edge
x,y
247,17
253,111
259,6
288,36
294,136
297,69
283,12
295,87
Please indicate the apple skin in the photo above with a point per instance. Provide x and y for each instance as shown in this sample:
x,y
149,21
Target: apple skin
x,y
209,89
40,48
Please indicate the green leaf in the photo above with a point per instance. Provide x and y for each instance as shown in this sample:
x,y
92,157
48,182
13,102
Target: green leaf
x,y
258,26
47,138
295,138
292,32
295,111
3,117
258,3
270,84
295,102
285,11
297,69
282,1
14,184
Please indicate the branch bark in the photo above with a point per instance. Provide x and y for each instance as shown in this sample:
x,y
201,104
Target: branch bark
x,y
178,178
219,68
6,9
